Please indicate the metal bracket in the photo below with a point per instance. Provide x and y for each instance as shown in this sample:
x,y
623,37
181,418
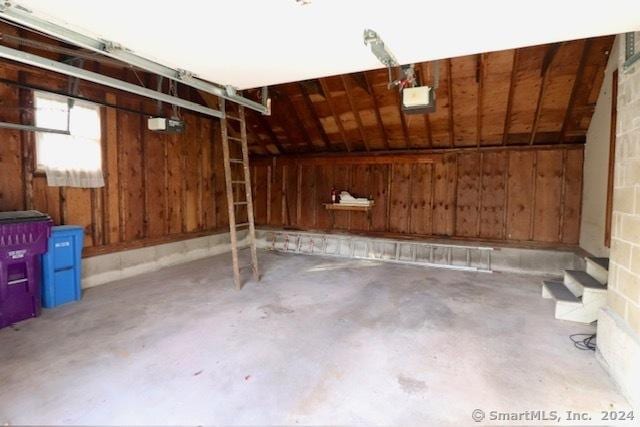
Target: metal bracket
x,y
111,47
230,90
630,54
59,67
372,39
29,128
184,75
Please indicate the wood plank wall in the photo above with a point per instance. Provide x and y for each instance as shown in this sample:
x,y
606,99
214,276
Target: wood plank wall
x,y
530,194
159,187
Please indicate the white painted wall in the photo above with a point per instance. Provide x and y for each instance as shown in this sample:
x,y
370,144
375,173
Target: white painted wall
x,y
596,166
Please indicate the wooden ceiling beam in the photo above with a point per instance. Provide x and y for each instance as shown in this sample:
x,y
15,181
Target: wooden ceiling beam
x,y
314,115
544,76
284,98
403,120
312,86
450,94
574,90
264,124
376,108
512,81
360,80
251,132
336,117
426,80
356,113
480,80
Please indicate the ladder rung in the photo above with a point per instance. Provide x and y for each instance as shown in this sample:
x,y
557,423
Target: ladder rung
x,y
240,203
238,182
236,161
244,224
230,117
233,138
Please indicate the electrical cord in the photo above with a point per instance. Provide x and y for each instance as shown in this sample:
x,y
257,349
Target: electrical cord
x,y
586,343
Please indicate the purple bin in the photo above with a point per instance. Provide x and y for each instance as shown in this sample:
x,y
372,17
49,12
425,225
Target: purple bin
x,y
23,239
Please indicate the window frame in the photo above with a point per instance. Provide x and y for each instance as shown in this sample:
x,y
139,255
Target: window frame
x,y
39,168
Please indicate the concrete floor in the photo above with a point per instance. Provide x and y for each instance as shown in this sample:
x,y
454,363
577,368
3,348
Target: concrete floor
x,y
319,340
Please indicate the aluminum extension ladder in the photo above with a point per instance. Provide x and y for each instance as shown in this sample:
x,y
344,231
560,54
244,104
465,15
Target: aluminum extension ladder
x,y
458,257
232,182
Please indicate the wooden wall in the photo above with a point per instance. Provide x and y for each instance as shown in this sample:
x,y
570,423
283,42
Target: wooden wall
x,y
159,187
511,194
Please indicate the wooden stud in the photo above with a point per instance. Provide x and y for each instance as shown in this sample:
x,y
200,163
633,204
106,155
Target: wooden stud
x,y
534,178
562,195
505,208
480,190
145,178
27,141
269,185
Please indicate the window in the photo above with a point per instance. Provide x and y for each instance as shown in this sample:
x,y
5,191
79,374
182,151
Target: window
x,y
73,160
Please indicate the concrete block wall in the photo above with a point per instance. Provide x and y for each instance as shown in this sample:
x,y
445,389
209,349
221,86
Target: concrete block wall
x,y
624,276
619,323
106,268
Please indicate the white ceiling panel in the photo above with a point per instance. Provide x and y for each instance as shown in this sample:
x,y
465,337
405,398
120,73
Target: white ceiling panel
x,y
251,43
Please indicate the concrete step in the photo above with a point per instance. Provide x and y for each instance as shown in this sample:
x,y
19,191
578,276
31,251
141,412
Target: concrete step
x,y
559,292
570,307
581,283
598,268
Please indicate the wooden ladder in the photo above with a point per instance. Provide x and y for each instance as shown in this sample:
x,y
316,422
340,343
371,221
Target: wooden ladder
x,y
233,183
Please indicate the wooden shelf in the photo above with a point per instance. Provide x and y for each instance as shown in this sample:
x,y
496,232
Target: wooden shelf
x,y
339,207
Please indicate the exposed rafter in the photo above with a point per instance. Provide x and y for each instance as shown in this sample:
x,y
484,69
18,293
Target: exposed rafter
x,y
583,60
376,107
360,81
336,116
544,75
284,98
425,78
356,113
314,115
264,124
513,95
450,90
480,81
512,81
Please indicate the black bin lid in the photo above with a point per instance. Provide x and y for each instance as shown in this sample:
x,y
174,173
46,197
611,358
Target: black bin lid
x,y
22,216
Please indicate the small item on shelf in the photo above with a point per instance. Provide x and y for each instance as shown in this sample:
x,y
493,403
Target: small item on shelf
x,y
348,200
334,195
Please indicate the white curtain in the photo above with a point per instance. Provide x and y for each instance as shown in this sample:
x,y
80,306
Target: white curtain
x,y
69,160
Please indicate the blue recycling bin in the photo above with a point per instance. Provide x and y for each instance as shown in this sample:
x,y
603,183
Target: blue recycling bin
x,y
61,266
